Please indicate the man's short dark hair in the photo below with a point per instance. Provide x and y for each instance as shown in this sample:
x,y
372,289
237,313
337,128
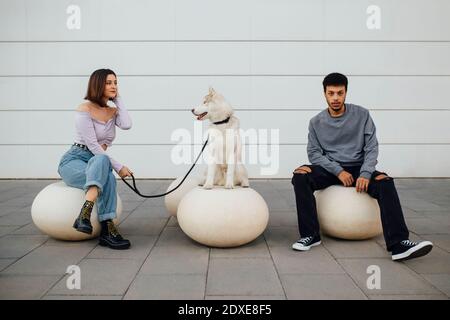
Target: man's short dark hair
x,y
335,79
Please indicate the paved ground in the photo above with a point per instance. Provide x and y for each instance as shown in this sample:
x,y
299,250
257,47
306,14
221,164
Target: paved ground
x,y
165,264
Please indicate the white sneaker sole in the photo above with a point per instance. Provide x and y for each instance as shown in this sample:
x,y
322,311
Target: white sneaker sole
x,y
420,250
299,247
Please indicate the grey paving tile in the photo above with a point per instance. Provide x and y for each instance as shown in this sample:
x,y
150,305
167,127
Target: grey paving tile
x,y
167,287
424,226
437,261
140,248
317,260
152,203
5,210
4,230
395,278
101,277
176,260
48,260
16,219
91,243
5,263
130,205
255,249
440,240
245,298
354,249
173,222
277,204
20,200
408,213
282,219
407,297
439,281
281,236
321,286
15,287
243,276
151,212
142,226
16,246
29,229
421,205
173,236
77,297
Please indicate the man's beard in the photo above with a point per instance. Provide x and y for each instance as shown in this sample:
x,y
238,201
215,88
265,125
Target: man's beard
x,y
337,107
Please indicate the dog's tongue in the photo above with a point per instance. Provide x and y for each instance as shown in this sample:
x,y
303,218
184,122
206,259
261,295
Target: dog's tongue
x,y
202,115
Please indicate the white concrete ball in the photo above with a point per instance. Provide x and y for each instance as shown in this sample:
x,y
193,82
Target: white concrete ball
x,y
56,207
173,199
346,214
223,217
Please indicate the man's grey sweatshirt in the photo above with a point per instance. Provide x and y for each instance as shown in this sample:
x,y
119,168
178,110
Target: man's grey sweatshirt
x,y
347,140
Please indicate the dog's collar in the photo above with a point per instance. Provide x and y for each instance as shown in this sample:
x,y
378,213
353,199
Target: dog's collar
x,y
223,121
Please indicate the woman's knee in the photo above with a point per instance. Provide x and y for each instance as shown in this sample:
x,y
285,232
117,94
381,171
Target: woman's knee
x,y
101,159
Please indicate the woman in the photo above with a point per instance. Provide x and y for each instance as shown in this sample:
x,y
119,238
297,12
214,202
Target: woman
x,y
87,166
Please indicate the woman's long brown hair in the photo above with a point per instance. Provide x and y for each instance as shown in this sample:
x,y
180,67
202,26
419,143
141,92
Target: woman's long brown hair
x,y
96,86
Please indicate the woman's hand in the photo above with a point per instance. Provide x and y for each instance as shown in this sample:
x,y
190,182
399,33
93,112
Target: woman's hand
x,y
104,147
125,172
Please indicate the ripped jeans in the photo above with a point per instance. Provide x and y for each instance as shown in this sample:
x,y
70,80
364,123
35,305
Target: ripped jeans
x,y
384,191
80,169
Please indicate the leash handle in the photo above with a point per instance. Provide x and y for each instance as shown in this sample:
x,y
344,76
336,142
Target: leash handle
x,y
135,189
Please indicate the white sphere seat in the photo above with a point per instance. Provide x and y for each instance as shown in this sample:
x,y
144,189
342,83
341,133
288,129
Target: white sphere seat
x,y
56,207
222,217
346,214
172,200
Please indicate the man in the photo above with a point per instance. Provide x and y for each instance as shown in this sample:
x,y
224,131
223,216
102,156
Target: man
x,y
343,149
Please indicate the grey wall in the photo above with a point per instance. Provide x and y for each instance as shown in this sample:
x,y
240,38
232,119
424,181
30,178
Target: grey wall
x,y
266,57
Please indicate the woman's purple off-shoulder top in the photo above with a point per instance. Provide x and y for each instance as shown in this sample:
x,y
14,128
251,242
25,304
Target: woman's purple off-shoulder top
x,y
93,133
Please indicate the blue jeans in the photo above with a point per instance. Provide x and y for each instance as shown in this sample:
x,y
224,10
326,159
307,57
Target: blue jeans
x,y
80,169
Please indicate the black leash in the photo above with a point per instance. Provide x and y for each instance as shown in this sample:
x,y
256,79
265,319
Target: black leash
x,y
135,189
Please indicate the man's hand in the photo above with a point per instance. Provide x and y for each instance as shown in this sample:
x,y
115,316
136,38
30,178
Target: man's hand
x,y
104,146
125,172
303,169
362,184
346,178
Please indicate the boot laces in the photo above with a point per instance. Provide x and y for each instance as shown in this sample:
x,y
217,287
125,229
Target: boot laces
x,y
112,229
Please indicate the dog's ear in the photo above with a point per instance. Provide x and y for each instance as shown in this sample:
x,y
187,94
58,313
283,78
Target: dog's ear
x,y
212,91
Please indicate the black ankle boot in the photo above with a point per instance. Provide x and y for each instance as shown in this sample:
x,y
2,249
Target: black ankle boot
x,y
110,237
83,222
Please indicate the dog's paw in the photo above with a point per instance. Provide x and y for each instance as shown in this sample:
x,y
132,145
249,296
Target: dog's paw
x,y
207,186
245,185
229,186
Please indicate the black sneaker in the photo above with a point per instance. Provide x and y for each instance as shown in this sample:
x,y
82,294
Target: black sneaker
x,y
304,244
407,249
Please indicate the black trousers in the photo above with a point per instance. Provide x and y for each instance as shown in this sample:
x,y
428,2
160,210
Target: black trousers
x,y
392,220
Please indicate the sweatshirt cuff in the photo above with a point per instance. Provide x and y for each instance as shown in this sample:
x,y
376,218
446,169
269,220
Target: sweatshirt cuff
x,y
365,174
336,170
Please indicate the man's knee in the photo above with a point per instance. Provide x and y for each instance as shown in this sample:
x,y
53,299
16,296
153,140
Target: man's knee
x,y
304,170
382,177
300,179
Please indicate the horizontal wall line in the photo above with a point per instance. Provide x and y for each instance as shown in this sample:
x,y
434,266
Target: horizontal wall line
x,y
199,144
228,41
223,75
234,108
220,75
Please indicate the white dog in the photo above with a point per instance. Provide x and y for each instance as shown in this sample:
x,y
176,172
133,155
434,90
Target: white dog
x,y
224,145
